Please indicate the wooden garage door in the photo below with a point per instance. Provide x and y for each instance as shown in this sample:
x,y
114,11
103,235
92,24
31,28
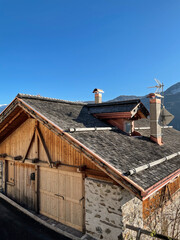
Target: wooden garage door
x,y
62,196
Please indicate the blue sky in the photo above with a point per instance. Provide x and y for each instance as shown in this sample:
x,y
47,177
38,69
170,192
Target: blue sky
x,y
66,48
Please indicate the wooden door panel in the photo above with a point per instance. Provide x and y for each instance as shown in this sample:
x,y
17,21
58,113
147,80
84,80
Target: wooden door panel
x,y
61,195
62,213
48,187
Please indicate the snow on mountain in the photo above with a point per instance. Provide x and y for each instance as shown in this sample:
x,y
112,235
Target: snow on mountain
x,y
2,107
174,89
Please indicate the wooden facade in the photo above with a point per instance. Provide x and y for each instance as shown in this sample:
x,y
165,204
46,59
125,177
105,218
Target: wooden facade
x,y
158,199
50,176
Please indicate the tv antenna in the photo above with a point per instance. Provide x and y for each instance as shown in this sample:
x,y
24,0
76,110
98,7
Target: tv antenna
x,y
159,87
165,116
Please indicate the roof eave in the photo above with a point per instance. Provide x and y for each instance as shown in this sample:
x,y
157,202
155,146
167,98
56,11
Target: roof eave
x,y
148,192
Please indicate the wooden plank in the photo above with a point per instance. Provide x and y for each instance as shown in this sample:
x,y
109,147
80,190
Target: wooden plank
x,y
48,187
10,121
44,146
60,195
29,146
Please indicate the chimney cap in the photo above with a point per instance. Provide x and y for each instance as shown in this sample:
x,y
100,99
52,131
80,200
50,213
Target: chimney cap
x,y
96,90
153,95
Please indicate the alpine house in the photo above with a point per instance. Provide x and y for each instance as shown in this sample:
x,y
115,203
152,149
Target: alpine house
x,y
94,167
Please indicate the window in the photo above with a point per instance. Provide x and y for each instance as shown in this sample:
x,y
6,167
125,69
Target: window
x,y
128,127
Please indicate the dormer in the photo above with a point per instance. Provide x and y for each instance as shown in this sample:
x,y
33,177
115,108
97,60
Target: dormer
x,y
120,114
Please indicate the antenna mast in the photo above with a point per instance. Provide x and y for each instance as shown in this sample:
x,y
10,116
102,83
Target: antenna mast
x,y
159,89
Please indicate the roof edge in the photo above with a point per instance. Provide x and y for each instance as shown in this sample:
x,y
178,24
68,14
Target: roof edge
x,y
151,190
113,103
37,97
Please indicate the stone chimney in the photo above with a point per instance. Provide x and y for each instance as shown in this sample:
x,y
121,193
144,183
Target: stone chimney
x,y
98,95
155,110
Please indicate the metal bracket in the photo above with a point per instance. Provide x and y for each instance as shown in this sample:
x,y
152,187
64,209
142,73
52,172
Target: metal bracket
x,y
138,234
58,195
80,200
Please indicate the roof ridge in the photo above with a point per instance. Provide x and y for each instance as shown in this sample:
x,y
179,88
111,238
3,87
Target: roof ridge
x,y
109,103
38,97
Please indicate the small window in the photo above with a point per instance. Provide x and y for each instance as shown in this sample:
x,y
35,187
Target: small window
x,y
128,127
10,172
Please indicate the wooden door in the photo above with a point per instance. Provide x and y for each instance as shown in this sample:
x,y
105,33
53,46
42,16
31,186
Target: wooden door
x,y
61,196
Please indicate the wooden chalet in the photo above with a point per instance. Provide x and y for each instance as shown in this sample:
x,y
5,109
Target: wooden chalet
x,y
59,155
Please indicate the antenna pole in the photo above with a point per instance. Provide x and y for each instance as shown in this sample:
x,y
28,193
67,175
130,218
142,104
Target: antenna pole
x,y
162,86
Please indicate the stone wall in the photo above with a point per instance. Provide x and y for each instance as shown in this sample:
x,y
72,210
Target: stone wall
x,y
108,209
166,219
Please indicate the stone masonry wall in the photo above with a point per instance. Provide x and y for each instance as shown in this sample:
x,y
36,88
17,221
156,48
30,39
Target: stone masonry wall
x,y
166,219
108,208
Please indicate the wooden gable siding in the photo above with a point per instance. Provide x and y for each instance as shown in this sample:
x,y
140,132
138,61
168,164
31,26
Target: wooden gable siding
x,y
59,149
17,143
24,190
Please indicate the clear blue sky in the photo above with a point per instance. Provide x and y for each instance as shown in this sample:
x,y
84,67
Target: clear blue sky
x,y
66,48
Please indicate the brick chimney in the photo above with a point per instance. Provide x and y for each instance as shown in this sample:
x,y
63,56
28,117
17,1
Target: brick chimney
x,y
98,95
155,110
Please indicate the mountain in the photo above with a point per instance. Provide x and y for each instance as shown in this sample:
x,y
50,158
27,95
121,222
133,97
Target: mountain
x,y
2,107
171,102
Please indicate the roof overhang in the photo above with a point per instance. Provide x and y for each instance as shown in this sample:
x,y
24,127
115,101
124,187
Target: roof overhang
x,y
11,118
131,110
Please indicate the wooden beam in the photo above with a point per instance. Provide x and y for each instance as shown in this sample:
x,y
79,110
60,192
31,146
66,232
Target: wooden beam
x,y
113,115
12,119
96,173
44,145
36,141
31,141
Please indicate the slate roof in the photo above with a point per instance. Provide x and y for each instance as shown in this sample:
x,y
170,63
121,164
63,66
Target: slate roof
x,y
115,147
109,107
64,114
124,153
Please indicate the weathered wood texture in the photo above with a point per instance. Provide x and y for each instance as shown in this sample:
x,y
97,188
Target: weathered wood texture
x,y
59,149
61,196
39,194
17,143
23,189
156,201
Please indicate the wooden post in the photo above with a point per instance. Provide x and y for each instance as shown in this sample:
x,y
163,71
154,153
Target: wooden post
x,y
36,188
36,146
44,146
